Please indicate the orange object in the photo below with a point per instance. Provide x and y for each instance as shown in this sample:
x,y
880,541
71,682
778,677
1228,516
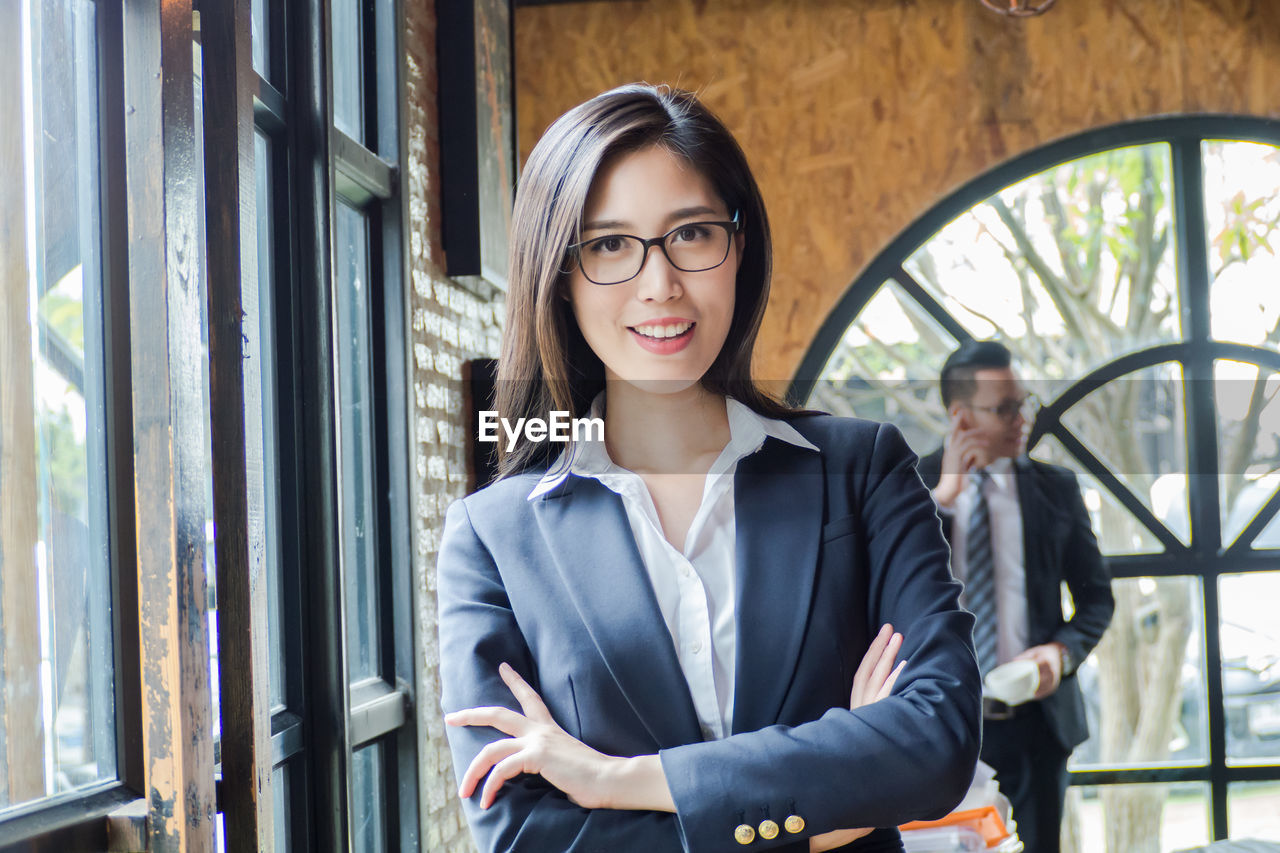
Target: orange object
x,y
985,821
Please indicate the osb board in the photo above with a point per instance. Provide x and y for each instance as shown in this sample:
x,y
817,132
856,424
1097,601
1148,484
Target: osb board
x,y
859,116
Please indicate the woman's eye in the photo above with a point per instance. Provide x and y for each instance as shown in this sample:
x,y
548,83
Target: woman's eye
x,y
607,245
690,234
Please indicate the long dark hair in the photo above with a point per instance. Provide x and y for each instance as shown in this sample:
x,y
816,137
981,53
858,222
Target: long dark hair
x,y
546,364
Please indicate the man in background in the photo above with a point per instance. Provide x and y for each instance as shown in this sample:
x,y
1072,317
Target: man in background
x,y
1018,530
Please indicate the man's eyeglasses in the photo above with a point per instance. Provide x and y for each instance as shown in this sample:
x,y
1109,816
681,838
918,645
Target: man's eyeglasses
x,y
690,247
1009,410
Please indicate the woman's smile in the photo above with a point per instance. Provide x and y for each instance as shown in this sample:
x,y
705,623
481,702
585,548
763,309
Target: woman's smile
x,y
665,336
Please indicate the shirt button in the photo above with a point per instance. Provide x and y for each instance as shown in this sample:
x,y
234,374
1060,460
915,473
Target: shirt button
x,y
697,646
684,571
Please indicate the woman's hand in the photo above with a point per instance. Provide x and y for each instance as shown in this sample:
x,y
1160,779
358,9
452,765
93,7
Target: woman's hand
x,y
872,682
538,745
876,674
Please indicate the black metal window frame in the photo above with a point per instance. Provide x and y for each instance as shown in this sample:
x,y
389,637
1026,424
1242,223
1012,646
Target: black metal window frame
x,y
1204,558
315,165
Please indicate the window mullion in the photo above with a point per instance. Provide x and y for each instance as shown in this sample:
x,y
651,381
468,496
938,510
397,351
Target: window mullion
x,y
229,86
1202,438
165,342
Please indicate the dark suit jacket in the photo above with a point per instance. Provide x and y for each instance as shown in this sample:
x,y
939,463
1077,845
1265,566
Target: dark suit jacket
x,y
830,545
1058,546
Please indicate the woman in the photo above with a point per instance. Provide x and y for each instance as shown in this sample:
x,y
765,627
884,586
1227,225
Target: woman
x,y
646,642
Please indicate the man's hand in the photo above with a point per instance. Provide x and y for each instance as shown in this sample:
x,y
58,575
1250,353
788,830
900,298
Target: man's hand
x,y
965,451
1049,658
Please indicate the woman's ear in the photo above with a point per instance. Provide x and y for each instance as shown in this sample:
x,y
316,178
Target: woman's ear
x,y
739,242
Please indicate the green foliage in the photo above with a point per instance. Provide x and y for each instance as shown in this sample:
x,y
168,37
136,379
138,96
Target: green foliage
x,y
63,455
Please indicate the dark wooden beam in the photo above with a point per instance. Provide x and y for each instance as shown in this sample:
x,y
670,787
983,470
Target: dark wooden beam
x,y
228,85
169,454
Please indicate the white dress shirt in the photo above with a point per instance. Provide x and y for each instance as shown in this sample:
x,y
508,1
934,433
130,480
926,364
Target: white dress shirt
x,y
1007,553
696,587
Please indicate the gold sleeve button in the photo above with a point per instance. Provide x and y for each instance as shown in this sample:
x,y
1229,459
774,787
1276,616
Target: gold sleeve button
x,y
768,830
744,834
794,824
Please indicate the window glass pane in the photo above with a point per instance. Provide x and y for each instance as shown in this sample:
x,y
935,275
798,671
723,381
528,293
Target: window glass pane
x,y
1270,535
57,715
1126,818
260,27
368,819
1242,213
348,67
1117,529
1253,810
1136,426
886,368
1141,709
1070,267
1250,640
1248,404
280,808
355,424
263,174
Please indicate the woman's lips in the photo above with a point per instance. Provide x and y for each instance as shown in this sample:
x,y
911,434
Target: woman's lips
x,y
664,345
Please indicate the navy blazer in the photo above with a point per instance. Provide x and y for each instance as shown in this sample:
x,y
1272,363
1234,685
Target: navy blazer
x,y
830,545
1058,547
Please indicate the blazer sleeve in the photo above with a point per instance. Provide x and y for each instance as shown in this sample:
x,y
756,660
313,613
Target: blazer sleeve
x,y
1086,576
906,757
478,631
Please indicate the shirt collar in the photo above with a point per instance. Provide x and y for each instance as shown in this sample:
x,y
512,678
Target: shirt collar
x,y
748,430
1001,472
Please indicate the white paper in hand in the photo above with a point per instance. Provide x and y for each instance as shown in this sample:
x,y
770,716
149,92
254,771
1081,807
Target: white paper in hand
x,y
1014,682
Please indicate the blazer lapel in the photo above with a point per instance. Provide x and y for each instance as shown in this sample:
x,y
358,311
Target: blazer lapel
x,y
1036,509
778,499
591,542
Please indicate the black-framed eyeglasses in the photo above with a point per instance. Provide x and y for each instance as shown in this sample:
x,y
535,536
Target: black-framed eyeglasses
x,y
1009,410
689,247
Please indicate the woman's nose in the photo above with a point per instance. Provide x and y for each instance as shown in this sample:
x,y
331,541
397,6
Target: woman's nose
x,y
658,280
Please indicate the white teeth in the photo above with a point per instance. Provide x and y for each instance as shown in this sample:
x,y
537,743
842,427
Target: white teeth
x,y
669,331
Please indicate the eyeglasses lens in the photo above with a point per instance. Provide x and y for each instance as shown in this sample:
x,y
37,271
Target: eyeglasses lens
x,y
618,257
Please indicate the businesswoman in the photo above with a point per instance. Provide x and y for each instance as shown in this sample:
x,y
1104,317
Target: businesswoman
x,y
652,641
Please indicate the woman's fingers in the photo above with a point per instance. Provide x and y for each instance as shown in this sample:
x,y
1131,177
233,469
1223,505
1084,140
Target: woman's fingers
x,y
876,673
506,758
493,753
868,662
884,666
890,681
507,768
505,720
530,702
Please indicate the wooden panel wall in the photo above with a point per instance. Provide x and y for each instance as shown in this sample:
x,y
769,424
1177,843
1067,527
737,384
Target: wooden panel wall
x,y
860,115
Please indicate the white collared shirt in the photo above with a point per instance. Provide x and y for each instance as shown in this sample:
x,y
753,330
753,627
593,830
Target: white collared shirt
x,y
696,588
1007,553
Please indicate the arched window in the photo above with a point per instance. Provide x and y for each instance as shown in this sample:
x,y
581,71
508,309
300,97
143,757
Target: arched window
x,y
1135,273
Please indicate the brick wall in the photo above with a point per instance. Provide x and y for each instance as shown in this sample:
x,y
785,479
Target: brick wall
x,y
450,322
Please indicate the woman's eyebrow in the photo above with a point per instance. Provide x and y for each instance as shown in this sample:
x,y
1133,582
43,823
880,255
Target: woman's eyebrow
x,y
601,224
686,212
682,213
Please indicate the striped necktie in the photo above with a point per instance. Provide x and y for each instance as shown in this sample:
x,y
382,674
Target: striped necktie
x,y
980,575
